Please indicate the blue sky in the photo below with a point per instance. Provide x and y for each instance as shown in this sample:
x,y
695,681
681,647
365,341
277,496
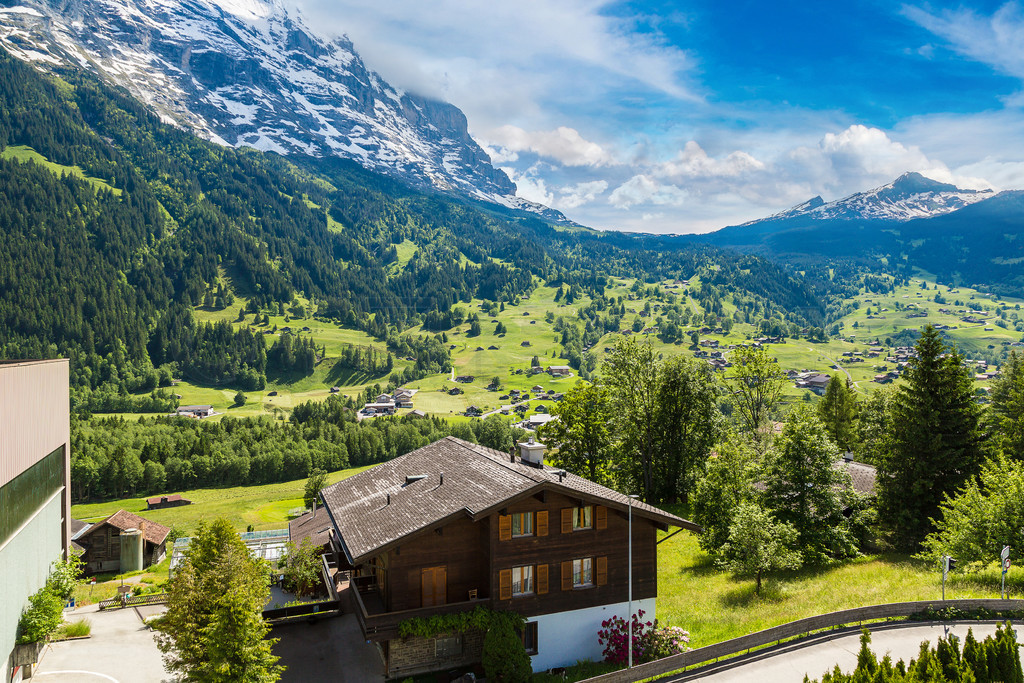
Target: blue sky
x,y
690,116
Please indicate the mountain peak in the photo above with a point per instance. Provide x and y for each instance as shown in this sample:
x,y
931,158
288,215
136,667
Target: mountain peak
x,y
910,196
913,182
253,73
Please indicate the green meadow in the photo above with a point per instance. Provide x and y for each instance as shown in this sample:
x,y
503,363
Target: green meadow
x,y
262,507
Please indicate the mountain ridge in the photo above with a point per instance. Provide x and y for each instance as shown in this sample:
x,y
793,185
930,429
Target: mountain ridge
x,y
253,73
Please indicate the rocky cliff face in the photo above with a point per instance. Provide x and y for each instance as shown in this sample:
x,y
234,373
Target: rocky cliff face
x,y
252,73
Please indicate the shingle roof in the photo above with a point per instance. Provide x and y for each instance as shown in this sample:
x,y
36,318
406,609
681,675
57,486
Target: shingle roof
x,y
863,477
124,520
316,526
378,507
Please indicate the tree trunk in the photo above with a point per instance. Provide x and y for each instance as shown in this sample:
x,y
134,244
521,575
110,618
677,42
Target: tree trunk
x,y
757,590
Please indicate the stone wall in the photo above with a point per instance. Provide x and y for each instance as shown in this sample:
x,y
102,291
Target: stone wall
x,y
414,655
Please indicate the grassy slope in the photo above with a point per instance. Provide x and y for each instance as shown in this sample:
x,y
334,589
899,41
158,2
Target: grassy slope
x,y
264,507
715,606
26,154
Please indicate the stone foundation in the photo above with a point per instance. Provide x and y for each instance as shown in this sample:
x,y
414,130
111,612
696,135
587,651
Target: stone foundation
x,y
415,655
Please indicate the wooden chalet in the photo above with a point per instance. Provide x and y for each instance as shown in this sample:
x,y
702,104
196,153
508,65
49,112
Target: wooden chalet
x,y
102,544
454,525
172,501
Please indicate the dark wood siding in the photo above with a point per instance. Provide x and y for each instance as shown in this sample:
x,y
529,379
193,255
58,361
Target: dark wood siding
x,y
560,547
461,548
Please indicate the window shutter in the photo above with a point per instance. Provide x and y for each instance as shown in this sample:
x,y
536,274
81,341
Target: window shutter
x,y
504,527
542,579
566,520
542,522
602,571
567,576
505,584
602,517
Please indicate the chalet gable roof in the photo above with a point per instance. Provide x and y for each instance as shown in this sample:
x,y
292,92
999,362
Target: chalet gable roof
x,y
377,508
124,520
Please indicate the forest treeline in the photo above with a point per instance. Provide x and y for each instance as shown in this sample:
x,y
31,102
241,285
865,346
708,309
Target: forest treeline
x,y
115,457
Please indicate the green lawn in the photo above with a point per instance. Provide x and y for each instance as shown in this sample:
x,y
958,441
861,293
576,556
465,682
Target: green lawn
x,y
713,605
263,507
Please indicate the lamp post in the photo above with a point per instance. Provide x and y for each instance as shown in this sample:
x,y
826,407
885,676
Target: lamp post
x,y
629,618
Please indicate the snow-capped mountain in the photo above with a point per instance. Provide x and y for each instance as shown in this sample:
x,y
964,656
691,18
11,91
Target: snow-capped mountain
x,y
252,73
908,197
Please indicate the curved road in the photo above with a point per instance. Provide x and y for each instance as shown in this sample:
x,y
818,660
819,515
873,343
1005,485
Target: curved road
x,y
816,655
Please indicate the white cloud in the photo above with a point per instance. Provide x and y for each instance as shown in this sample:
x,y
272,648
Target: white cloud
x,y
694,162
643,190
500,155
505,62
996,40
565,145
530,186
575,196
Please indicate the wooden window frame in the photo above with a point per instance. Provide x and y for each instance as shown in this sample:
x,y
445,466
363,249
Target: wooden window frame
x,y
529,637
521,517
523,570
577,513
583,584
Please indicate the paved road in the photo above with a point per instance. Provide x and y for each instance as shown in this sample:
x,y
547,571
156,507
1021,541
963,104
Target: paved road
x,y
789,665
328,651
121,650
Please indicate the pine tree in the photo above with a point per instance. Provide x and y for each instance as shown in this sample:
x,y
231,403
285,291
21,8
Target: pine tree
x,y
934,445
838,412
804,488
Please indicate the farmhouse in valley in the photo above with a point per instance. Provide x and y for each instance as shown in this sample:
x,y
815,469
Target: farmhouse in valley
x,y
122,542
172,501
454,525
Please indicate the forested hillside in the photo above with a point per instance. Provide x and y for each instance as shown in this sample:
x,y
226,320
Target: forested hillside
x,y
115,226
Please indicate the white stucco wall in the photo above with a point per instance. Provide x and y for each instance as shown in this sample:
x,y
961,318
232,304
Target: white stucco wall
x,y
24,565
565,638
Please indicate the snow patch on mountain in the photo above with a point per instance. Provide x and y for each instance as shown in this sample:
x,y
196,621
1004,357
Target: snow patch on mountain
x,y
910,196
252,73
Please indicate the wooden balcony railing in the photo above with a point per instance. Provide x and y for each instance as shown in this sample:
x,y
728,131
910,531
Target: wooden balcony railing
x,y
379,625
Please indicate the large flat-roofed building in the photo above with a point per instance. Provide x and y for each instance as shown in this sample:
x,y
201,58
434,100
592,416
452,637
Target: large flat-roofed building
x,y
35,467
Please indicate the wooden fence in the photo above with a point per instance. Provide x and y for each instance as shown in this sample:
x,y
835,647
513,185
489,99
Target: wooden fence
x,y
794,629
148,599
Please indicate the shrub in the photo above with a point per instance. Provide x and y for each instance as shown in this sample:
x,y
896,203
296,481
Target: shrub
x,y
504,658
649,641
64,575
43,616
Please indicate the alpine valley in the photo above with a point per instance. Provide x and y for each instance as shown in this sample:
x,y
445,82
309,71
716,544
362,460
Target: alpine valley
x,y
209,203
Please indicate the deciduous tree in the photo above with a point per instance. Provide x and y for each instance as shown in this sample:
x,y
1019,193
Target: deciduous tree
x,y
582,433
688,425
213,630
759,544
316,481
757,382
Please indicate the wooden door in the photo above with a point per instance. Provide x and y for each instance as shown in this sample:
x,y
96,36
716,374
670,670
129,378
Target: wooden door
x,y
433,586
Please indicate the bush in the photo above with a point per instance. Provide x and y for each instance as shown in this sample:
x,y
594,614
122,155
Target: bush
x,y
504,658
43,616
649,641
64,575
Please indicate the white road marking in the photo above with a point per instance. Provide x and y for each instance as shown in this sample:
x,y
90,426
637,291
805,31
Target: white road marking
x,y
87,673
